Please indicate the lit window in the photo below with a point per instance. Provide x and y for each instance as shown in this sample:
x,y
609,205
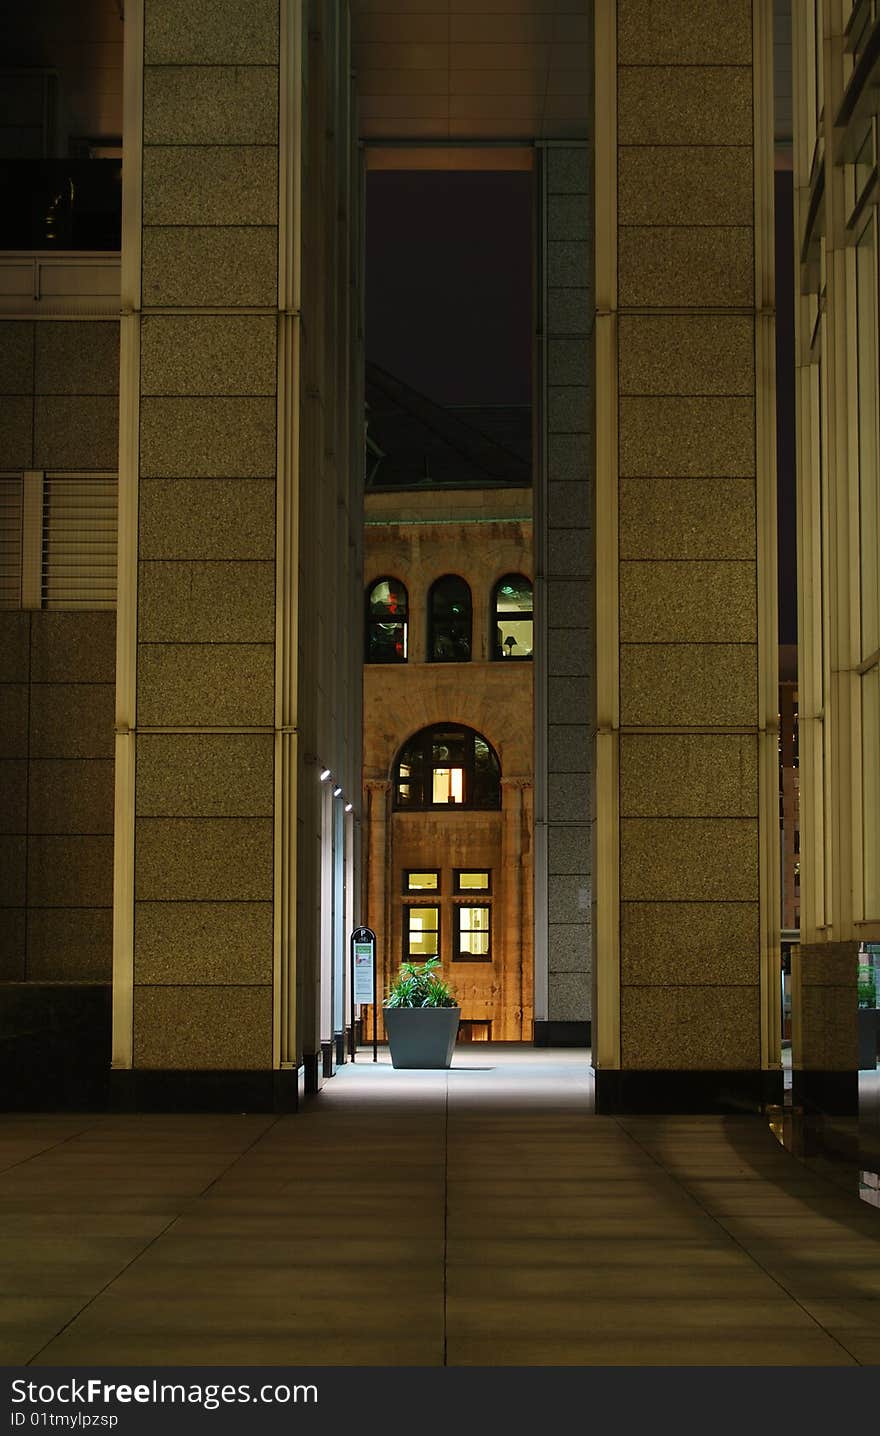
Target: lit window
x,y
449,610
445,767
512,626
422,933
472,882
416,882
387,606
473,933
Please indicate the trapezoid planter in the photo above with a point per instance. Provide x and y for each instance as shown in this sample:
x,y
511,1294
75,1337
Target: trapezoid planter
x,y
421,1036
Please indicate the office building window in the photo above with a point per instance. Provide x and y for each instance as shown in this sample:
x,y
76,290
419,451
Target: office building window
x,y
512,624
472,934
447,767
421,933
386,639
472,882
422,881
449,617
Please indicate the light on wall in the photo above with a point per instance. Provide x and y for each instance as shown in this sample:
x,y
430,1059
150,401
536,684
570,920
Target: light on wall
x,y
348,807
325,775
337,791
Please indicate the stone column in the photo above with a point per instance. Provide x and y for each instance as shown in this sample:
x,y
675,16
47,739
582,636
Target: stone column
x,y
686,849
206,711
563,596
378,915
509,913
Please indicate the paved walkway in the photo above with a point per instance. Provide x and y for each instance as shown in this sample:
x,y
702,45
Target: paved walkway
x,y
476,1217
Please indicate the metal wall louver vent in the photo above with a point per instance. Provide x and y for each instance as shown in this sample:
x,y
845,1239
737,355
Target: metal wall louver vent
x,y
10,541
79,541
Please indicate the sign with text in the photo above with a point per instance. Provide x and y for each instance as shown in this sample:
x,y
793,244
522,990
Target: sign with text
x,y
363,947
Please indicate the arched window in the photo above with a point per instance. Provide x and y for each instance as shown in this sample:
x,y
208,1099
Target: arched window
x,y
449,617
386,622
447,767
512,617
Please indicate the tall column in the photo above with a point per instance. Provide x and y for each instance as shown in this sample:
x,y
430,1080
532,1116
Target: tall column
x,y
206,715
686,860
378,797
563,599
510,916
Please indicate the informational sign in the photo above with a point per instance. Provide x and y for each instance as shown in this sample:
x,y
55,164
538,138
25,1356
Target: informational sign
x,y
363,982
364,958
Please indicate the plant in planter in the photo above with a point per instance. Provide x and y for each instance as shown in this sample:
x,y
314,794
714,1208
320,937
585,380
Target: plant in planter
x,y
421,1017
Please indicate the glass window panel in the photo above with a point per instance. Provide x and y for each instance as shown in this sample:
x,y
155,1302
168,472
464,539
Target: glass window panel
x,y
423,932
450,619
448,785
871,782
472,881
472,931
387,604
514,638
417,882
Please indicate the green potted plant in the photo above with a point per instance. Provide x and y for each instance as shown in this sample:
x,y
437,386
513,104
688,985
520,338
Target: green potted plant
x,y
421,1017
868,1017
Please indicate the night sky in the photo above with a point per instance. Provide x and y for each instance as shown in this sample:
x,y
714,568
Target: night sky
x,y
448,305
449,281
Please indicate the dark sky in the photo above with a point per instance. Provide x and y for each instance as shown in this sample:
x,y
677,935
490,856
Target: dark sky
x,y
449,282
448,305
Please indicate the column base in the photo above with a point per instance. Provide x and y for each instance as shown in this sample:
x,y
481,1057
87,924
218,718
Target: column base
x,y
831,1094
169,1091
684,1092
313,1062
562,1034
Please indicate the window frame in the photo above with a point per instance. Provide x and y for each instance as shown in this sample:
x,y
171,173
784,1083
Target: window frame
x,y
457,954
371,624
419,751
498,656
434,621
409,908
459,873
410,872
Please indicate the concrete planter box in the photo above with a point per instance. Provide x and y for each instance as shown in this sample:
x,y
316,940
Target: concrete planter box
x,y
421,1036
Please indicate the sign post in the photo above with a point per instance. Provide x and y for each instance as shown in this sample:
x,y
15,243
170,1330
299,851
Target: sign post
x,y
363,981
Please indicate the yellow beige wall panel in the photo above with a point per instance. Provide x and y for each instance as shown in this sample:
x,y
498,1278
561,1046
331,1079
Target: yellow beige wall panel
x,y
73,647
203,1028
15,635
69,944
16,357
689,859
684,32
208,438
210,184
205,775
691,437
208,354
13,870
206,602
203,942
195,859
70,871
75,432
203,32
669,185
693,602
190,684
207,519
687,519
688,775
77,357
210,105
72,720
689,942
688,685
667,265
706,1027
200,265
14,705
829,1040
14,792
70,795
686,354
570,991
684,105
16,431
